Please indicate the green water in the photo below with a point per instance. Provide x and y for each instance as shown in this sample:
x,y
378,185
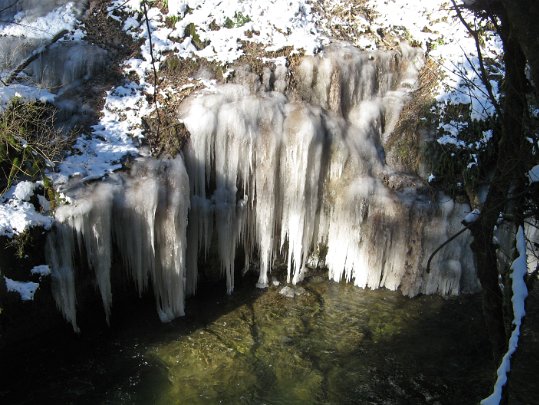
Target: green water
x,y
330,344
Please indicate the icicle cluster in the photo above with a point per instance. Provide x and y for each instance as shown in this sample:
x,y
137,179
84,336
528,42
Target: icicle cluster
x,y
297,176
286,178
145,214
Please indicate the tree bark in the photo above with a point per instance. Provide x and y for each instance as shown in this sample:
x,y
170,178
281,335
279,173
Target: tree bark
x,y
523,16
509,167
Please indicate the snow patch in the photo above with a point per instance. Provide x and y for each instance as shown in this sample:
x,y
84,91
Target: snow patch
x,y
471,217
520,292
41,270
533,174
26,289
16,216
26,93
26,24
24,190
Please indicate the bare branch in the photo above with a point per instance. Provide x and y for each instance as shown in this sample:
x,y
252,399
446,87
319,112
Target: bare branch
x,y
444,244
155,77
32,58
9,6
483,71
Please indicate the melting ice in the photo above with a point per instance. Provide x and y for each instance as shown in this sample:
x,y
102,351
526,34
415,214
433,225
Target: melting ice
x,y
286,173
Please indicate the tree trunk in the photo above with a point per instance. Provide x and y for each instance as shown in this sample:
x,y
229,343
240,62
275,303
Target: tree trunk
x,y
509,167
523,16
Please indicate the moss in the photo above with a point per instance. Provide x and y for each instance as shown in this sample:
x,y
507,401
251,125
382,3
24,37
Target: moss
x,y
191,31
171,20
239,20
181,70
214,26
228,23
51,194
432,45
407,151
19,243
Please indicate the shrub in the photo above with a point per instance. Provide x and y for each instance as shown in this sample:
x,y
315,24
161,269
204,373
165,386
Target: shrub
x,y
29,141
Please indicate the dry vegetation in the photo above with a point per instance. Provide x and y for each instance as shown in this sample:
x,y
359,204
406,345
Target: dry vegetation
x,y
29,141
343,16
404,145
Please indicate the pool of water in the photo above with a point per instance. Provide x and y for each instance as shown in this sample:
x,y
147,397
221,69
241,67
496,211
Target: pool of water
x,y
328,344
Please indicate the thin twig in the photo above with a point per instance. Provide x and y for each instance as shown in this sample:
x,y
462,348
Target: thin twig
x,y
9,6
484,76
155,77
32,58
445,243
120,5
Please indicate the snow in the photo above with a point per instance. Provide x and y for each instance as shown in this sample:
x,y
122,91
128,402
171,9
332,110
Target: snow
x,y
234,113
448,42
16,216
24,190
435,27
520,292
533,174
288,176
25,289
26,24
114,137
471,217
41,270
273,24
26,93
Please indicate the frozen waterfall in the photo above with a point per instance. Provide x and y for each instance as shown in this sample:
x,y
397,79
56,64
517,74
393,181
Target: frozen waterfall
x,y
289,166
287,175
145,214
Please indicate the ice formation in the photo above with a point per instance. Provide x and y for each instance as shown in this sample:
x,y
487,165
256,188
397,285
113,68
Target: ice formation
x,y
27,29
285,175
277,173
145,214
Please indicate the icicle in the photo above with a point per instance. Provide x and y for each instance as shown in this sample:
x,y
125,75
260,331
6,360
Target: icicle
x,y
146,214
300,164
60,248
134,224
170,240
87,222
313,172
278,177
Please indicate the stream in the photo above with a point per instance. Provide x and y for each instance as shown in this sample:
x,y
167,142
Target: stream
x,y
331,343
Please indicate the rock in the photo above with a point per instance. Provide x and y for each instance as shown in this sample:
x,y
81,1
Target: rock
x,y
288,292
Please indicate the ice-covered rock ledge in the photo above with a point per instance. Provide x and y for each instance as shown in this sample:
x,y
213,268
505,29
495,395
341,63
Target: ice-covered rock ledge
x,y
347,101
279,172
